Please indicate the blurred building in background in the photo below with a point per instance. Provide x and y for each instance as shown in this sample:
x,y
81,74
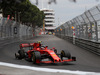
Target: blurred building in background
x,y
49,20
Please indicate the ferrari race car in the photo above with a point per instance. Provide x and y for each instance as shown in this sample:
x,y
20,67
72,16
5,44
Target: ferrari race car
x,y
38,53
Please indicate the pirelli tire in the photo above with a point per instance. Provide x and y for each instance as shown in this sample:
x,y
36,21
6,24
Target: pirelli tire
x,y
65,53
20,54
36,57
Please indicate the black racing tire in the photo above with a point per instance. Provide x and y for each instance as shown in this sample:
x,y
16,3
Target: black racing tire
x,y
36,56
21,54
65,53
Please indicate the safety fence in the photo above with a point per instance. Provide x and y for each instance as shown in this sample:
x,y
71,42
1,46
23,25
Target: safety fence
x,y
83,30
10,29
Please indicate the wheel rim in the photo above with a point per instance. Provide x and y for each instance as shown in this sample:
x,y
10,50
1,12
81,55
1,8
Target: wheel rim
x,y
33,58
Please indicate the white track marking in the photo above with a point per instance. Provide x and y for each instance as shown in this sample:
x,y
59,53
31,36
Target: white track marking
x,y
47,69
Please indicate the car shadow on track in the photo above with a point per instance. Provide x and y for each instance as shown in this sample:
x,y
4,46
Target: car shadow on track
x,y
43,64
54,64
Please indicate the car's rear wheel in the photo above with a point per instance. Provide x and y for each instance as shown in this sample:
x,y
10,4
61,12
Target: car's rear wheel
x,y
65,53
36,57
21,54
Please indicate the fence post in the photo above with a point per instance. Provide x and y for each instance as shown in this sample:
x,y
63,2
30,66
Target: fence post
x,y
91,30
86,31
96,31
73,34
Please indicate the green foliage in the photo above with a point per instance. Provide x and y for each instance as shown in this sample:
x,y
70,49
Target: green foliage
x,y
29,14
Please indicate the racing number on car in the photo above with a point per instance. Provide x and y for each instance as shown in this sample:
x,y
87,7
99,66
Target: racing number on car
x,y
54,55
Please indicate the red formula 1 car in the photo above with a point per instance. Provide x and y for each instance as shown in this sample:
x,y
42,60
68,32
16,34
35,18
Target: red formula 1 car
x,y
38,53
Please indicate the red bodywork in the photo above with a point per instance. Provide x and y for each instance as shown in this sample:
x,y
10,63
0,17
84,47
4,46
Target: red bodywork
x,y
45,50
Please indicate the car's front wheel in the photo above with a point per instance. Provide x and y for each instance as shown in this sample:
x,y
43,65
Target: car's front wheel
x,y
65,53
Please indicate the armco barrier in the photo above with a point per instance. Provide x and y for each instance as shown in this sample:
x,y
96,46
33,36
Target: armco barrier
x,y
92,46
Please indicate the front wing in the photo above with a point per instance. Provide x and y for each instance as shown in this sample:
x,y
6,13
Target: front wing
x,y
67,60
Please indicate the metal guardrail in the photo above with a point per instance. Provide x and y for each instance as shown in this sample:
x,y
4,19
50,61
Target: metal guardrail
x,y
92,46
84,30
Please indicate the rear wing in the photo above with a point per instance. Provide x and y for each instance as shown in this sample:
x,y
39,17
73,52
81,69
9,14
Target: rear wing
x,y
36,45
26,45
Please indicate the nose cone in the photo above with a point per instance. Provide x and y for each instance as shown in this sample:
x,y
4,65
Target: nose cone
x,y
57,60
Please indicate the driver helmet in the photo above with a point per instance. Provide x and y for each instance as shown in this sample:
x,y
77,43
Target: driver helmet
x,y
39,41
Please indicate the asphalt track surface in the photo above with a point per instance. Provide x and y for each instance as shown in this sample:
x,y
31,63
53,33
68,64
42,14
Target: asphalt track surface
x,y
86,61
